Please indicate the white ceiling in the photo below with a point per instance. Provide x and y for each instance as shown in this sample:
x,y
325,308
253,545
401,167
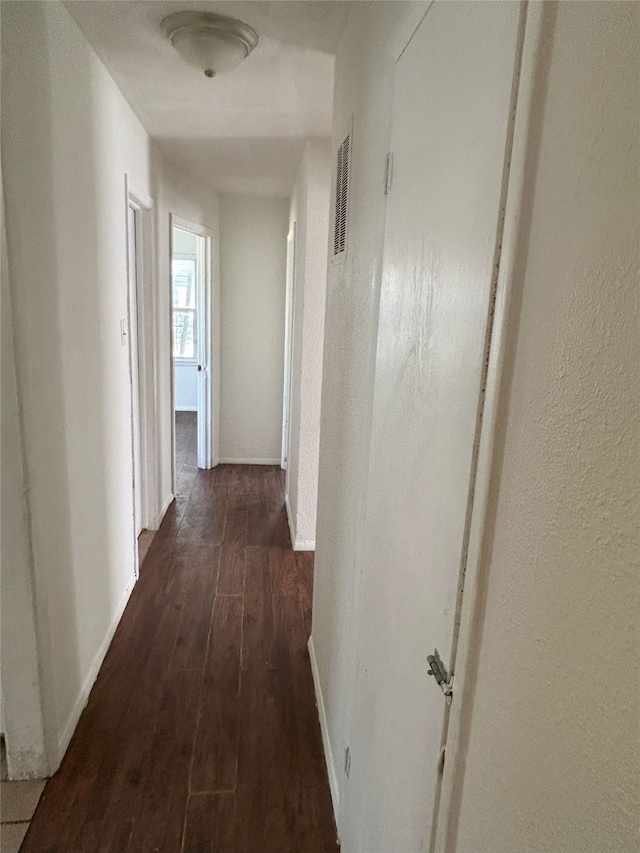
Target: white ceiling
x,y
239,132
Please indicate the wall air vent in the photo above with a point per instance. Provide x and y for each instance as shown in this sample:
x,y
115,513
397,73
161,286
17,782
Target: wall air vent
x,y
343,162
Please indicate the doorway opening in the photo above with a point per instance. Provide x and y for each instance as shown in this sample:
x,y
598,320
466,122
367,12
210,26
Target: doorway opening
x,y
195,370
138,333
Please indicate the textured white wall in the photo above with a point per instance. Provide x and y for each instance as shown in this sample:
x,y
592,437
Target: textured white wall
x,y
553,756
310,210
253,255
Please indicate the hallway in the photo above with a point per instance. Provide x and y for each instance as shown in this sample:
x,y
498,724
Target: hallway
x,y
201,732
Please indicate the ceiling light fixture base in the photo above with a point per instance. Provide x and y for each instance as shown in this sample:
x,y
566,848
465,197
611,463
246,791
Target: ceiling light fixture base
x,y
211,43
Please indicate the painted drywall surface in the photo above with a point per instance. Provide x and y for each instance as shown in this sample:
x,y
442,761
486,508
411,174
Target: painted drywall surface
x,y
364,66
184,243
310,210
553,756
253,253
185,372
68,139
185,381
22,720
178,194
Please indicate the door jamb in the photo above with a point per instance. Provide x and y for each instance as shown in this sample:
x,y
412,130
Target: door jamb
x,y
208,308
145,306
288,347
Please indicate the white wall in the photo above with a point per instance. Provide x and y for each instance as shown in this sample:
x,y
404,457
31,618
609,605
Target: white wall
x,y
253,250
310,211
185,372
68,139
185,383
185,243
554,745
363,77
21,712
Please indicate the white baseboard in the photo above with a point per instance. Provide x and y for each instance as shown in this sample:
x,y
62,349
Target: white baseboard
x,y
297,544
326,743
247,461
87,684
186,409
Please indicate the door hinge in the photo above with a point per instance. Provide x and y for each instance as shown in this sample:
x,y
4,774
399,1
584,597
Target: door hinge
x,y
388,174
442,677
347,761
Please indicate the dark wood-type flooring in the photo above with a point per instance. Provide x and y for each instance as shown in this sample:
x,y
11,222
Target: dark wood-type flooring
x,y
201,733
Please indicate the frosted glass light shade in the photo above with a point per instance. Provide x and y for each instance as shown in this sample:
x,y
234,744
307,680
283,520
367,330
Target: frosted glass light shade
x,y
211,43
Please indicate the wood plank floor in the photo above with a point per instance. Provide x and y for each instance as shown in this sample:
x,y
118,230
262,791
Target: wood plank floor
x,y
201,733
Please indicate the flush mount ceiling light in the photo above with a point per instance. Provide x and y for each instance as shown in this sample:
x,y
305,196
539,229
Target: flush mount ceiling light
x,y
211,43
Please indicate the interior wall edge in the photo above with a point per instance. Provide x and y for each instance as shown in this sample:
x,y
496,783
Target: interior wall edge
x,y
92,674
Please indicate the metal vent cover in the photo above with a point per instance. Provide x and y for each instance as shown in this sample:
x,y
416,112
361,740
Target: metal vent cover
x,y
342,193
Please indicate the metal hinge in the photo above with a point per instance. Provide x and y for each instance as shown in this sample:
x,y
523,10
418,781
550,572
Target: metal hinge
x,y
388,174
442,677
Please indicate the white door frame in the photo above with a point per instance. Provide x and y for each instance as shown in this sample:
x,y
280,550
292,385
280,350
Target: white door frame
x,y
142,312
480,527
288,347
208,337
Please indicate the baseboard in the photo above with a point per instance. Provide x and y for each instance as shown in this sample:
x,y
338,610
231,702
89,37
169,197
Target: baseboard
x,y
297,544
326,743
186,409
87,684
247,461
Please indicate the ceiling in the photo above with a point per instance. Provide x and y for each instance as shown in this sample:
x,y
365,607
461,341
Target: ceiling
x,y
239,132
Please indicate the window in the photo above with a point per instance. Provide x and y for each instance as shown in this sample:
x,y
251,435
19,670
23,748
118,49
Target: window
x,y
183,274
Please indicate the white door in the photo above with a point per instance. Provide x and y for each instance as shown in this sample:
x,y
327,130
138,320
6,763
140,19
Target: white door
x,y
203,348
451,105
134,362
193,365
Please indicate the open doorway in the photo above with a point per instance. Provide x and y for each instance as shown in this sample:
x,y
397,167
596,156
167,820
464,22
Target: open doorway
x,y
194,369
137,332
